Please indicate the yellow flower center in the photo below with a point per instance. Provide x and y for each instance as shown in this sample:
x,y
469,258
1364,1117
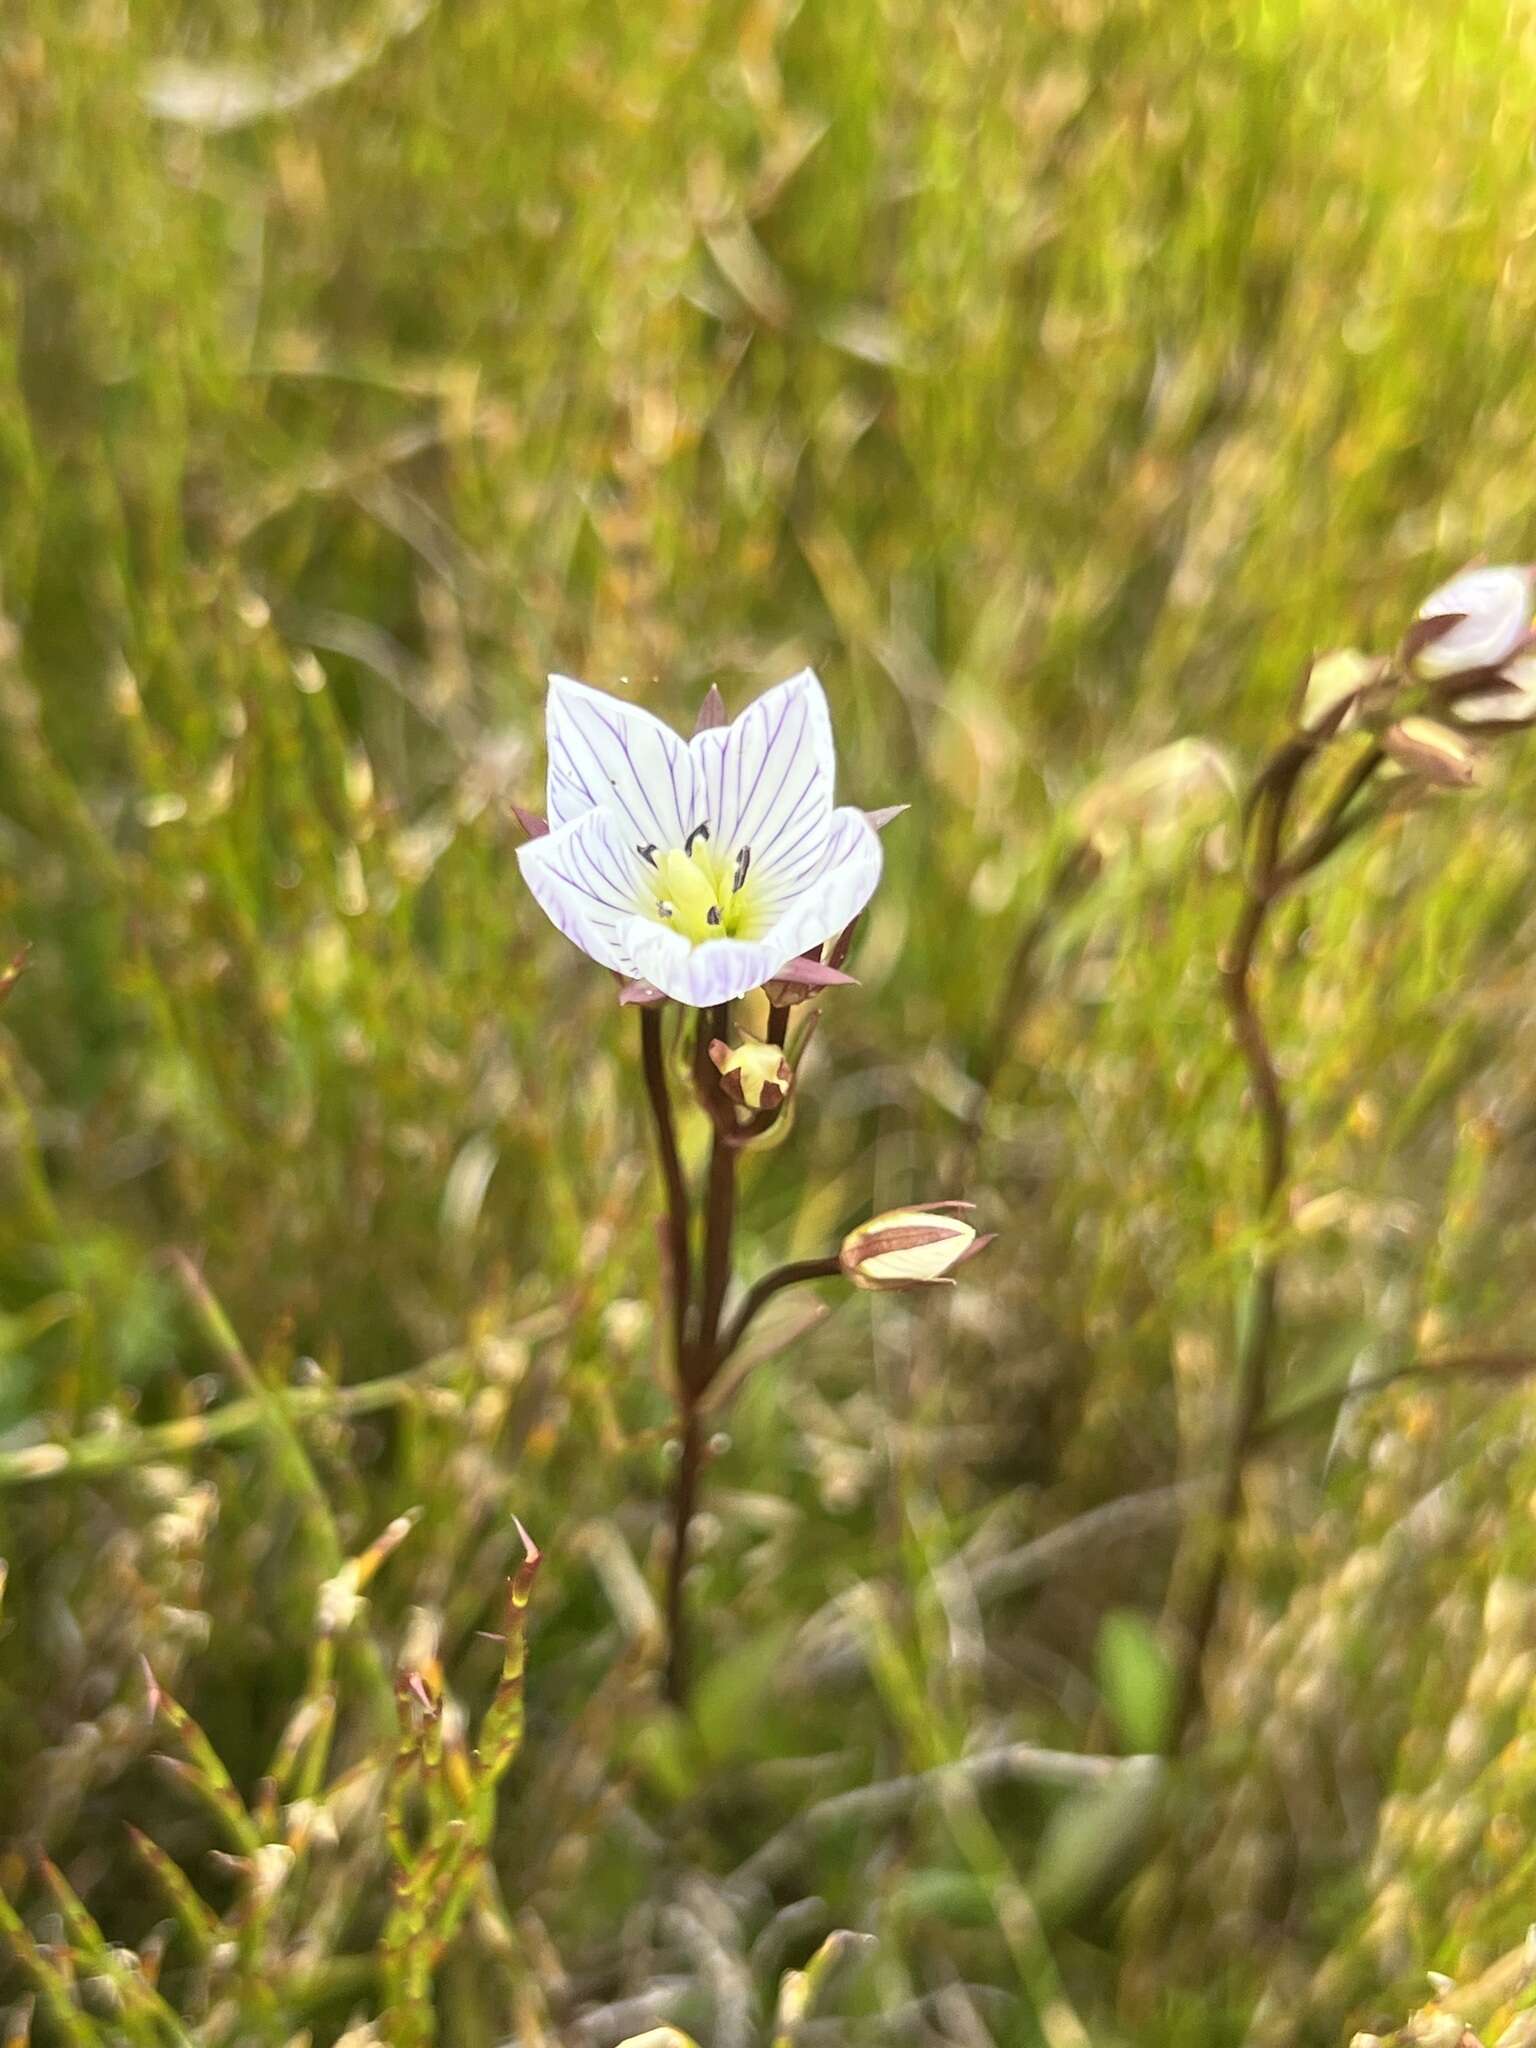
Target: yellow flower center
x,y
701,893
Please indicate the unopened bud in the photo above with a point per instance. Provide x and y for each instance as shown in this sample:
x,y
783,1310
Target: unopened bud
x,y
907,1248
1426,748
1336,684
754,1074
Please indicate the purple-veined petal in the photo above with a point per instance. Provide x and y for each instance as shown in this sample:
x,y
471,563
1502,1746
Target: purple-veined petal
x,y
834,893
701,976
604,753
586,880
1495,608
765,781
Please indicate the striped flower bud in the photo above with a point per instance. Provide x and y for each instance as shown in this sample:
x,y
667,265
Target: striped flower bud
x,y
909,1248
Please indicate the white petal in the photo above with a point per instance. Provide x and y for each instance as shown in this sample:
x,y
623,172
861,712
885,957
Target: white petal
x,y
701,976
609,754
586,880
1500,707
1497,604
765,780
1515,706
834,894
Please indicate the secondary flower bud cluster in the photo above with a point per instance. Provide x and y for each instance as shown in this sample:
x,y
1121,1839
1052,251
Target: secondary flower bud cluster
x,y
1463,674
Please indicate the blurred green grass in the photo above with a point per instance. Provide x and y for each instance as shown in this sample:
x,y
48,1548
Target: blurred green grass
x,y
1052,379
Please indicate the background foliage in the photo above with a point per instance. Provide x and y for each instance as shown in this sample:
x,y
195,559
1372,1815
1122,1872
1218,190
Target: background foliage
x,y
1053,378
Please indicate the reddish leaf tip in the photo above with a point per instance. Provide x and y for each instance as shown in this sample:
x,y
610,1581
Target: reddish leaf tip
x,y
814,974
711,711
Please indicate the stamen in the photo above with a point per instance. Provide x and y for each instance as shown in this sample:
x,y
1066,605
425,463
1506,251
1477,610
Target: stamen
x,y
647,854
664,908
698,832
743,862
712,915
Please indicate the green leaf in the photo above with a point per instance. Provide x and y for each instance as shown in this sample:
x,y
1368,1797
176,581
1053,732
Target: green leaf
x,y
1136,1680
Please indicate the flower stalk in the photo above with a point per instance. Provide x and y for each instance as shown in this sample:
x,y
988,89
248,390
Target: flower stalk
x,y
1462,665
1274,870
701,1339
697,871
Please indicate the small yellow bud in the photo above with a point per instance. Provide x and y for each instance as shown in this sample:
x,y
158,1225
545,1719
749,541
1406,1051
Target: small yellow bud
x,y
906,1248
754,1074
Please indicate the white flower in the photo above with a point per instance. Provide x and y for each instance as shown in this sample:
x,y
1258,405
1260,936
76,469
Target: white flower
x,y
1492,608
700,866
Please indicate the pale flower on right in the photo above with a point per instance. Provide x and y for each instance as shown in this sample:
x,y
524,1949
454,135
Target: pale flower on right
x,y
1485,644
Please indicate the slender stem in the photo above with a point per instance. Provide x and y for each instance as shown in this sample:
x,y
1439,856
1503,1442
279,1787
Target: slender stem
x,y
719,1226
1071,876
763,1291
1209,1567
685,1500
1455,1365
290,1456
113,1450
1336,823
1271,877
1076,868
699,1359
679,1277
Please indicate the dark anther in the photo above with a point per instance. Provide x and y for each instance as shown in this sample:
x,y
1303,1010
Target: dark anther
x,y
743,862
663,908
647,854
712,916
698,832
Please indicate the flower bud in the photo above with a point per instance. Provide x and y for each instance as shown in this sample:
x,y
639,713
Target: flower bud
x,y
754,1074
1428,749
1336,685
907,1248
1483,617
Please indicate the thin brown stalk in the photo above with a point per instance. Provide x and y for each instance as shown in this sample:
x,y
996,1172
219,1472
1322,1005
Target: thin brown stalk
x,y
719,1228
679,1279
685,1501
1272,874
1202,1604
1338,820
699,1358
762,1291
